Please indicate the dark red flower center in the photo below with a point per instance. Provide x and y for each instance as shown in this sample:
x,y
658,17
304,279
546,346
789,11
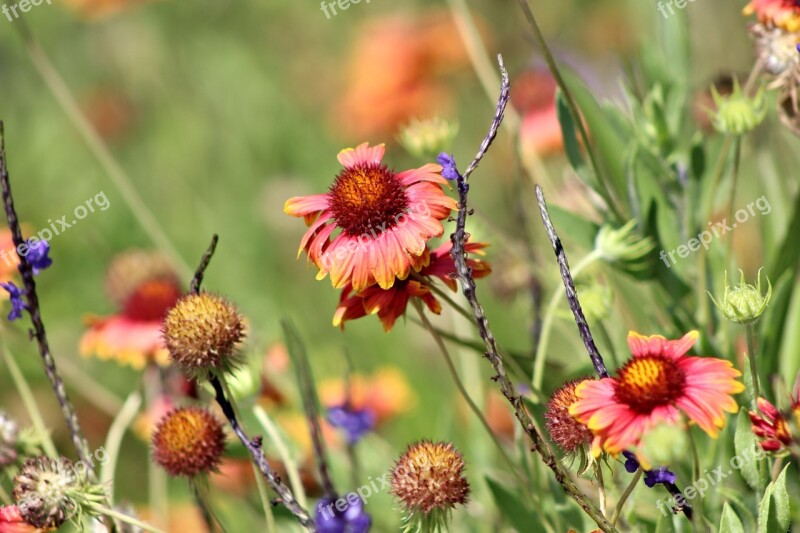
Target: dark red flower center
x,y
151,300
645,383
367,199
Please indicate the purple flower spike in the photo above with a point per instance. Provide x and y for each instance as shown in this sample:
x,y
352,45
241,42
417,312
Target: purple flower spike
x,y
449,170
38,255
355,422
17,304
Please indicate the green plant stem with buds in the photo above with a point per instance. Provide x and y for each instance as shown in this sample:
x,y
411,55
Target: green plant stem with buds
x,y
462,390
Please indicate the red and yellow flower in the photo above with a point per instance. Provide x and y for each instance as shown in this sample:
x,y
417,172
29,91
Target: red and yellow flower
x,y
783,14
655,386
385,220
390,304
771,426
145,288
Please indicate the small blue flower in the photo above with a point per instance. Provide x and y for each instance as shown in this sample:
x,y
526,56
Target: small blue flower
x,y
355,422
449,170
17,305
353,519
662,475
631,464
651,477
38,255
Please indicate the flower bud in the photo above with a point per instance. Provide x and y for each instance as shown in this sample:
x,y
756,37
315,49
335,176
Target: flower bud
x,y
743,304
737,113
425,139
622,244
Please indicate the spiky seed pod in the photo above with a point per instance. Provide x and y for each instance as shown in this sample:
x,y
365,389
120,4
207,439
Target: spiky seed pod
x,y
743,303
44,490
130,269
188,441
429,482
569,434
202,333
9,436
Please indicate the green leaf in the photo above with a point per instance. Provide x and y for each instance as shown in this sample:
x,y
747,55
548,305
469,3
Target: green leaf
x,y
571,145
514,509
744,442
730,522
773,511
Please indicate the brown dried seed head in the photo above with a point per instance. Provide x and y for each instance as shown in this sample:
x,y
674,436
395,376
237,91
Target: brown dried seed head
x,y
188,441
564,430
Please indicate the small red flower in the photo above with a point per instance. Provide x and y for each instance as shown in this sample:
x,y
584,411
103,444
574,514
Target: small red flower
x,y
11,521
771,426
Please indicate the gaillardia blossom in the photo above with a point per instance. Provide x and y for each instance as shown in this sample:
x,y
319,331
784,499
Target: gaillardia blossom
x,y
654,387
145,287
385,219
390,304
784,14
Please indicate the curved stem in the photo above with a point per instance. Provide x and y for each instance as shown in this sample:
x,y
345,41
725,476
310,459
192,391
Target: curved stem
x,y
601,488
460,386
625,496
547,322
113,442
26,395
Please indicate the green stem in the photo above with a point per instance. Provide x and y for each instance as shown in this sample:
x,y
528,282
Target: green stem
x,y
607,339
101,151
601,488
751,355
276,438
460,386
158,490
625,496
573,107
29,401
114,438
121,517
547,322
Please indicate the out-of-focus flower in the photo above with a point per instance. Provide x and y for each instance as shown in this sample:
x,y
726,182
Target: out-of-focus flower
x,y
386,394
743,304
385,217
771,426
9,261
429,481
390,304
96,10
738,113
784,14
654,387
145,287
202,333
425,139
12,521
622,244
703,106
188,441
9,436
569,434
534,97
353,519
17,303
354,422
395,73
109,110
146,423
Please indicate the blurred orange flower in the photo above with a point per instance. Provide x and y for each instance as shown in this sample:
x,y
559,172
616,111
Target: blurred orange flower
x,y
784,14
99,9
386,393
145,287
534,96
394,72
